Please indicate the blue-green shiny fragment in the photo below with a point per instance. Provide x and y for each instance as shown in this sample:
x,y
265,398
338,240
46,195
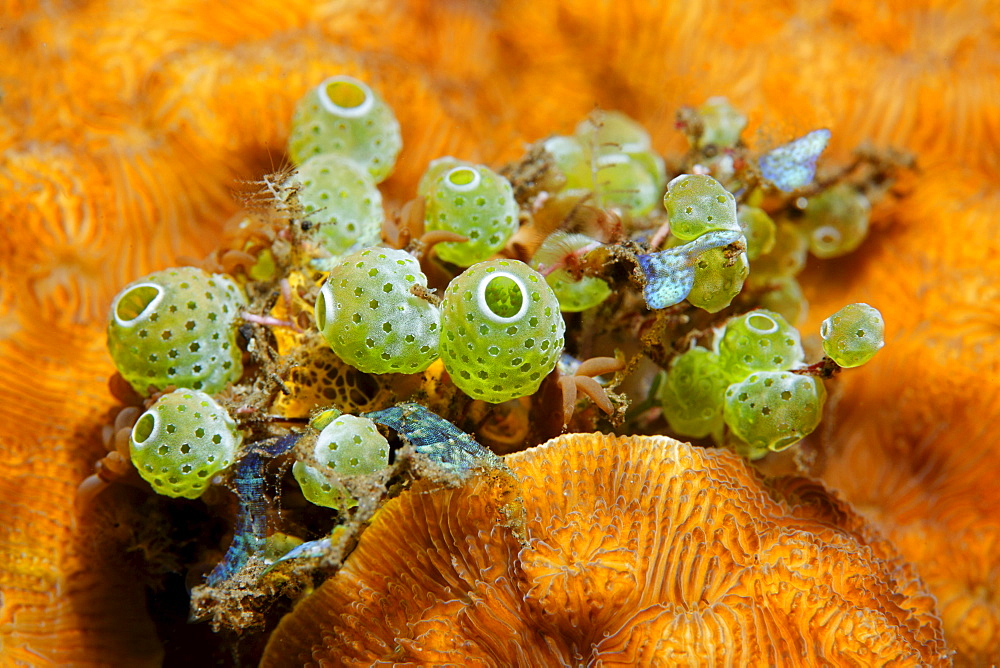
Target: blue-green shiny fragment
x,y
251,519
793,165
437,438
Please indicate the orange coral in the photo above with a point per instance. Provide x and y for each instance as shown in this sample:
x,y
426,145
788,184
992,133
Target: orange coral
x,y
929,479
638,551
124,126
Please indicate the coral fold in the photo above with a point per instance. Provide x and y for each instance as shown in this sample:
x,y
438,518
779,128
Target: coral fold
x,y
638,551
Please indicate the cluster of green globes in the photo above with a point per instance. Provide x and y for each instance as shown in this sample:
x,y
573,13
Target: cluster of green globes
x,y
706,262
828,224
745,392
498,328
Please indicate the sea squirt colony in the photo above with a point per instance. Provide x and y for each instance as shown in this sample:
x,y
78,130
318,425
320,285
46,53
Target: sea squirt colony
x,y
508,304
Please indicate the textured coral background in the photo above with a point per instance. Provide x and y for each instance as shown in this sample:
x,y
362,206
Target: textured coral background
x,y
638,551
123,127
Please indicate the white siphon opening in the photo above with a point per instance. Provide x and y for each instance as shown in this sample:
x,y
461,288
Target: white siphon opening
x,y
827,235
346,97
463,179
136,302
147,427
824,329
761,324
484,305
323,311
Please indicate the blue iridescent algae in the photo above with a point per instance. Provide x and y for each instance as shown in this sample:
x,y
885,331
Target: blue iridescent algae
x,y
435,437
670,273
793,165
251,519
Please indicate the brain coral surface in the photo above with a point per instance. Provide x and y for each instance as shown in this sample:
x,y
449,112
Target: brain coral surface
x,y
638,551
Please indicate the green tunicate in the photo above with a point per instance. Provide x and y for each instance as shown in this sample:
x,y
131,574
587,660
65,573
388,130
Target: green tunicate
x,y
697,204
177,327
612,132
341,199
611,156
620,181
853,335
788,255
719,274
630,181
183,440
654,166
345,117
760,340
773,409
693,392
575,293
572,160
783,294
474,201
836,221
722,123
502,331
370,316
759,230
349,445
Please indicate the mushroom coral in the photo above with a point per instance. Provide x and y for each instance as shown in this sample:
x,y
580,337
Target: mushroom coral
x,y
636,551
124,126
